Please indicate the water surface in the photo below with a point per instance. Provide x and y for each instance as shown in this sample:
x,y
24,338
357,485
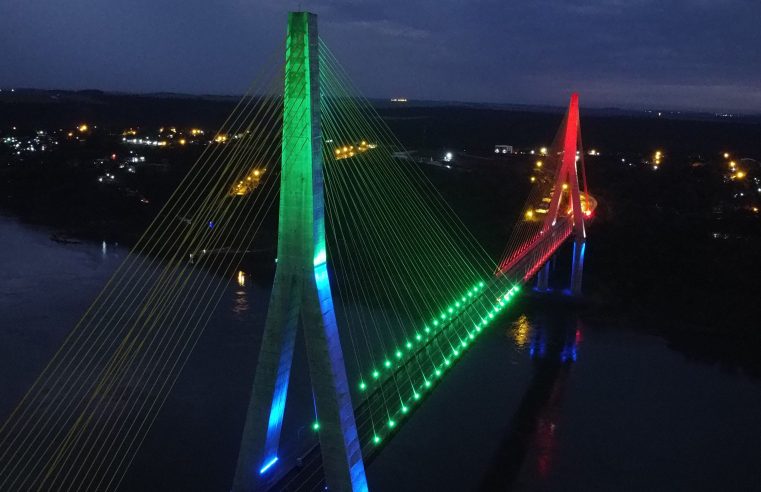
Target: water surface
x,y
547,400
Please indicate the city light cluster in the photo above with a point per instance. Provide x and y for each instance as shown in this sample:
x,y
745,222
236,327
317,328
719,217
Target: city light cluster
x,y
170,136
735,172
657,158
351,150
249,183
39,142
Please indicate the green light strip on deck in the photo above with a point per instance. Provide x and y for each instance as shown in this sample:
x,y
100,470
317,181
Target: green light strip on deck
x,y
439,371
398,359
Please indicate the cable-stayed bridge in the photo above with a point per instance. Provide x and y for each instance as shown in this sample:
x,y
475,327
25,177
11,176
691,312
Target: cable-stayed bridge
x,y
386,283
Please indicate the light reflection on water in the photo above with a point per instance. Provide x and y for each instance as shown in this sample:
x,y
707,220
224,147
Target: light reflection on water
x,y
554,349
531,444
547,426
520,331
535,337
240,303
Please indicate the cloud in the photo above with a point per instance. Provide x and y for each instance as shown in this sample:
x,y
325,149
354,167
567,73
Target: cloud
x,y
384,28
628,52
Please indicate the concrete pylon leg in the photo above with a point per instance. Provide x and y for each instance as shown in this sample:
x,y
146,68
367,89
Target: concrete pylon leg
x,y
543,279
577,268
301,291
264,419
339,440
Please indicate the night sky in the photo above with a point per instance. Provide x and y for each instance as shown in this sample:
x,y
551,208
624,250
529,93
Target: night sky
x,y
675,54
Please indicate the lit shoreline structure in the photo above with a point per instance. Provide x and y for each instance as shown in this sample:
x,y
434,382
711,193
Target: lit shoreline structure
x,y
301,291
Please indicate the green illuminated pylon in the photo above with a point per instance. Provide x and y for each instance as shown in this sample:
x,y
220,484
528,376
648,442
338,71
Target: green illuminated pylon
x,y
301,290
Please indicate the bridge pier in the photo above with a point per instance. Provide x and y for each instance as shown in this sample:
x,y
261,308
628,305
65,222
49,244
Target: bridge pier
x,y
543,278
577,267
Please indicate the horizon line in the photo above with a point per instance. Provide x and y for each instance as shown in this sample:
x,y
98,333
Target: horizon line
x,y
720,113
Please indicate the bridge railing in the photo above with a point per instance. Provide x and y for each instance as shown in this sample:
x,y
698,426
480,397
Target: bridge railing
x,y
527,261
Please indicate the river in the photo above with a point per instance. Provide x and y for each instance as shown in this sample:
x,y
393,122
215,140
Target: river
x,y
545,401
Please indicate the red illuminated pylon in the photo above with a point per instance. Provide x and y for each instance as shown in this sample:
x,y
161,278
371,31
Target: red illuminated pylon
x,y
567,173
